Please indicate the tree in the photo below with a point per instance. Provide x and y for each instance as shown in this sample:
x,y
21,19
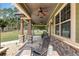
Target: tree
x,y
39,27
3,24
8,14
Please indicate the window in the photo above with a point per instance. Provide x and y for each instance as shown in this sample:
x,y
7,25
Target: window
x,y
57,26
62,22
57,30
65,29
65,13
57,19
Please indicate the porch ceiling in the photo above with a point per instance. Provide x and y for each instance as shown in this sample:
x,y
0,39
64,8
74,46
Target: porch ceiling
x,y
34,12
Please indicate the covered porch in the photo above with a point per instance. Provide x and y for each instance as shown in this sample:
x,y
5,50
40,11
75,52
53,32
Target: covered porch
x,y
43,15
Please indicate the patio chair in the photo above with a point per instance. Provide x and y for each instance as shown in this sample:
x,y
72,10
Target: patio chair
x,y
42,51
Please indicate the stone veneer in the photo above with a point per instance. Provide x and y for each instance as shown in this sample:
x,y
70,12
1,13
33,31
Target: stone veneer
x,y
63,48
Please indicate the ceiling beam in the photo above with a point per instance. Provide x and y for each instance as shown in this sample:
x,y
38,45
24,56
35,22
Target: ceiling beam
x,y
39,25
22,10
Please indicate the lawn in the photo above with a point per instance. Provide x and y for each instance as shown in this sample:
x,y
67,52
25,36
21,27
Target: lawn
x,y
38,32
9,36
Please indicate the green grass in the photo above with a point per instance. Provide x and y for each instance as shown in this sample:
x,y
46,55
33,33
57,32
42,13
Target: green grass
x,y
38,33
9,36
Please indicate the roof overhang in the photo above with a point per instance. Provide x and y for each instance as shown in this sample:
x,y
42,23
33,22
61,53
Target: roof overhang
x,y
30,10
23,10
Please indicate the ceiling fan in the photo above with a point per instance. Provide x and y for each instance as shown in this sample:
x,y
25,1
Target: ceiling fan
x,y
42,11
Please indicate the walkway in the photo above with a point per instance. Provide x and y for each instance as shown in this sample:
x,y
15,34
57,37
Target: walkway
x,y
9,42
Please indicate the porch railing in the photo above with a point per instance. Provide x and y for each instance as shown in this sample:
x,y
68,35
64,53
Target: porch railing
x,y
23,48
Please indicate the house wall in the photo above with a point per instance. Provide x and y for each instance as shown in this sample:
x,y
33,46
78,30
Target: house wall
x,y
65,46
59,7
48,29
52,26
53,20
77,22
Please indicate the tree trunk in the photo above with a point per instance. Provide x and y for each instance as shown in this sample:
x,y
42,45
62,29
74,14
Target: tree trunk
x,y
2,29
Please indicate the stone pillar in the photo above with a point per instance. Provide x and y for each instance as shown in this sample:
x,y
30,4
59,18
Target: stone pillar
x,y
29,31
21,36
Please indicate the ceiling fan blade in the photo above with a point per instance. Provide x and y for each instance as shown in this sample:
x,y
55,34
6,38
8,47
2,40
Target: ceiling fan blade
x,y
44,13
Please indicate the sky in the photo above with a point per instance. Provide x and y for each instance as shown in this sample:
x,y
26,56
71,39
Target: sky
x,y
6,5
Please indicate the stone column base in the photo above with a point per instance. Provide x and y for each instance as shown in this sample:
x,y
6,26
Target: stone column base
x,y
29,38
21,38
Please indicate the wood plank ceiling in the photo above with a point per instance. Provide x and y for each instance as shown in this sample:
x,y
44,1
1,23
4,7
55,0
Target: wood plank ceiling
x,y
39,12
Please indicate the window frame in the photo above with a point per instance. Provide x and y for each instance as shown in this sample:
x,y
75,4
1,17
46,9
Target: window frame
x,y
62,22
